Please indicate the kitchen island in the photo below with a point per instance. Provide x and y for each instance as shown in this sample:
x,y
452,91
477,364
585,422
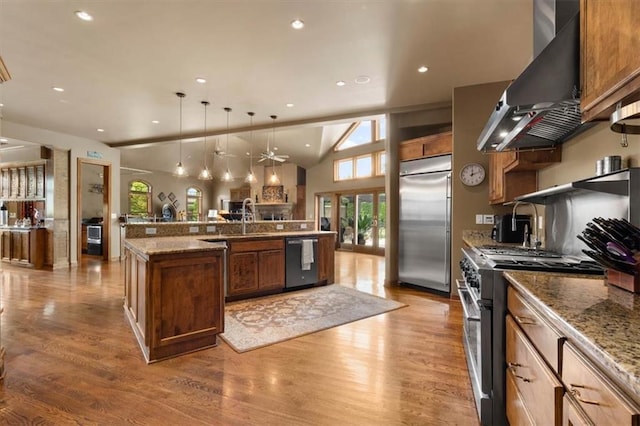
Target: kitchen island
x,y
593,330
175,287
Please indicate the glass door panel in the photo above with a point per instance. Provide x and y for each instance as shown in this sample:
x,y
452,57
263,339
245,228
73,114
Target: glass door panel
x,y
324,213
347,221
380,221
365,215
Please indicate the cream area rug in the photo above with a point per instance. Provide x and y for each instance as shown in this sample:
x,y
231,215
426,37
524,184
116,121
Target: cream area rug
x,y
252,324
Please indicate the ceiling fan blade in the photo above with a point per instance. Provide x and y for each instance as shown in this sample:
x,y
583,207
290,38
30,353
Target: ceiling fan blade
x,y
261,160
279,159
283,155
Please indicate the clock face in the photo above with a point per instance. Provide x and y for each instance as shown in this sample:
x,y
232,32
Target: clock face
x,y
472,174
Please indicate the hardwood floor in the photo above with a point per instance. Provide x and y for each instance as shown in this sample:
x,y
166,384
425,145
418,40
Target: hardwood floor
x,y
72,358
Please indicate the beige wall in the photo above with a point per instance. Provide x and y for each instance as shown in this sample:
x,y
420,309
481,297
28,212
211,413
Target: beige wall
x,y
472,106
579,155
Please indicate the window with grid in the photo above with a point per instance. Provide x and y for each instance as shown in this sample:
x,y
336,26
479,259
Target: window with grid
x,y
140,198
194,204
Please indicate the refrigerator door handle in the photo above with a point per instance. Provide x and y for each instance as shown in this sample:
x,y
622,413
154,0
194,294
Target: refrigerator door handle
x,y
447,250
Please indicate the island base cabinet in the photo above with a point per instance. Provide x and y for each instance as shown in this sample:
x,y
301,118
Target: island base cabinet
x,y
326,258
538,390
256,267
175,302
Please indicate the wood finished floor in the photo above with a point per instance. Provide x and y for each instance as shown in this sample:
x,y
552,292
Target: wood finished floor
x,y
72,359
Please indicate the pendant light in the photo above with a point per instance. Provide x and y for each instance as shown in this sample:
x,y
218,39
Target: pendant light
x,y
251,178
273,179
227,177
205,174
180,171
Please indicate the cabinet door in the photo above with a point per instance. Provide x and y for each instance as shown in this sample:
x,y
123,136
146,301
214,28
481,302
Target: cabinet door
x,y
326,258
572,415
6,245
496,179
243,273
541,392
25,247
610,63
271,267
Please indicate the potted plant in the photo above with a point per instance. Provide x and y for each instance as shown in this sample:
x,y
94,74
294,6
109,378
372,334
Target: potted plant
x,y
364,226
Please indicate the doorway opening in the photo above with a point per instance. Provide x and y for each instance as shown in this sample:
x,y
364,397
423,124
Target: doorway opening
x,y
94,207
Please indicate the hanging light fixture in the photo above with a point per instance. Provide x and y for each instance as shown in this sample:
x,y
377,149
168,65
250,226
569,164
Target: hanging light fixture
x,y
227,177
273,179
205,174
180,171
251,178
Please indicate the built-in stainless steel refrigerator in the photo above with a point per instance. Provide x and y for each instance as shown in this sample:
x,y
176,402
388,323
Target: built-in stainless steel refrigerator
x,y
425,223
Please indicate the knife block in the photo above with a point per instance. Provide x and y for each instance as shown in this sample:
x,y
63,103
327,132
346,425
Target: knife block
x,y
624,281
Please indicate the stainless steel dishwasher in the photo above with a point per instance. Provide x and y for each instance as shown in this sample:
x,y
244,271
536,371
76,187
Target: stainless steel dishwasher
x,y
296,275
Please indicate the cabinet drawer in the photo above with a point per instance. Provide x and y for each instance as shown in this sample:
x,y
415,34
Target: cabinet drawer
x,y
543,336
595,394
517,413
256,245
541,392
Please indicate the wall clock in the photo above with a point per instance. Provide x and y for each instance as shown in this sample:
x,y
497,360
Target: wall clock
x,y
472,174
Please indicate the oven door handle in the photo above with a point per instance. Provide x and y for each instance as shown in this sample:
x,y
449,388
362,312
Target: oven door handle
x,y
465,298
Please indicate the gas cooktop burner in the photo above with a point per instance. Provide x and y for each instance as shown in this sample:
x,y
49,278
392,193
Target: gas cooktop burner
x,y
553,265
516,251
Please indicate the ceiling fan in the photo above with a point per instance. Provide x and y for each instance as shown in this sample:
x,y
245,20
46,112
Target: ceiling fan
x,y
269,154
219,152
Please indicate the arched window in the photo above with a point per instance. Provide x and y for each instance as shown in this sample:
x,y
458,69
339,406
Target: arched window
x,y
140,198
194,204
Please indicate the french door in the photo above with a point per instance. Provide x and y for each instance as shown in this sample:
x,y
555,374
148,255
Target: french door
x,y
359,218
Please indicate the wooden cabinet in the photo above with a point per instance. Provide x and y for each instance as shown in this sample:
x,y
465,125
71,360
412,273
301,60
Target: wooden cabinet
x,y
534,392
514,173
425,146
22,181
24,247
610,60
174,301
239,194
256,267
83,238
326,258
594,393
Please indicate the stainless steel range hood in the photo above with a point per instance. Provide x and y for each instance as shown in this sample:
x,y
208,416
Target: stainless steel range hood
x,y
541,108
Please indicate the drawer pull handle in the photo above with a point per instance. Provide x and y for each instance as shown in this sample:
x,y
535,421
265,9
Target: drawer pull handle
x,y
576,394
512,366
525,320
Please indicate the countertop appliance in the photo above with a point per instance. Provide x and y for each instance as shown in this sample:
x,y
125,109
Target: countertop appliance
x,y
301,270
483,294
425,223
503,231
94,239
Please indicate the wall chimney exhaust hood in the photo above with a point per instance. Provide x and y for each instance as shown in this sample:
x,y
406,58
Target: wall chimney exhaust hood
x,y
541,108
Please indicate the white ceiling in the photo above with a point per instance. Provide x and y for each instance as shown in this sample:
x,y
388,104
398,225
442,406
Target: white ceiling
x,y
121,70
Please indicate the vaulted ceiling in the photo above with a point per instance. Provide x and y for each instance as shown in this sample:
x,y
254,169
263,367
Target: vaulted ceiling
x,y
120,71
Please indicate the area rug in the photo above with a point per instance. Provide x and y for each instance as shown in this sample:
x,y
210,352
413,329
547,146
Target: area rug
x,y
256,323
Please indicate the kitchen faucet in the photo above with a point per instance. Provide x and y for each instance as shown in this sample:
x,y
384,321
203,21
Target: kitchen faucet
x,y
535,241
244,214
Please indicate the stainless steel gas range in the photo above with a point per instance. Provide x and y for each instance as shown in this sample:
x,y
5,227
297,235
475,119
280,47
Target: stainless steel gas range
x,y
483,293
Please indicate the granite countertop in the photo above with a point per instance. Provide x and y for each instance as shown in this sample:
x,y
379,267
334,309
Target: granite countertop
x,y
476,238
195,243
601,320
165,245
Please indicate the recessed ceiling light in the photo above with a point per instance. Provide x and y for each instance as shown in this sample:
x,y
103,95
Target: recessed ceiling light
x,y
307,145
201,80
100,130
494,145
155,121
503,134
289,105
85,16
362,79
275,148
423,69
1,105
58,89
297,24
340,83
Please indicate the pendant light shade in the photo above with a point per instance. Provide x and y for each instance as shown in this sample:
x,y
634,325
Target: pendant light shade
x,y
251,178
227,177
180,171
273,179
205,174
